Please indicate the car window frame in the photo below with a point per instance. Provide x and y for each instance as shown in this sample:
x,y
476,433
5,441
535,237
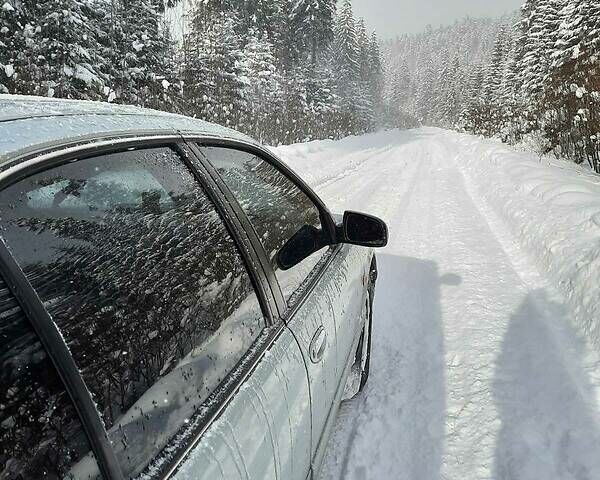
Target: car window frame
x,y
327,222
59,354
56,345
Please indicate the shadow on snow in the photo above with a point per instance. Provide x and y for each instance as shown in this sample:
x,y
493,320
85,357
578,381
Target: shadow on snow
x,y
549,423
397,423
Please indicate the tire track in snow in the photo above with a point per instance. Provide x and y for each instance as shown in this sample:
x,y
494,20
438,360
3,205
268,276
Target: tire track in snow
x,y
398,208
356,412
347,172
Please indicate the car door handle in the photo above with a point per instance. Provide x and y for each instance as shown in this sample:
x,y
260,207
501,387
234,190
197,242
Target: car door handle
x,y
317,345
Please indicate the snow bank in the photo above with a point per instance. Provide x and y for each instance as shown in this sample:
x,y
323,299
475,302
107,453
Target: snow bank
x,y
324,162
553,208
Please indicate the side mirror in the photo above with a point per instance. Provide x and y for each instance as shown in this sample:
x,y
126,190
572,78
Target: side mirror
x,y
303,243
365,230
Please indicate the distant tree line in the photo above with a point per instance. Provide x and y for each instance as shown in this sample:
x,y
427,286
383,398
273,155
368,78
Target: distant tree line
x,y
532,78
543,80
280,70
427,74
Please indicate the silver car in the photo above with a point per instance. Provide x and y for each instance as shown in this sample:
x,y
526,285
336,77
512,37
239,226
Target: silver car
x,y
174,301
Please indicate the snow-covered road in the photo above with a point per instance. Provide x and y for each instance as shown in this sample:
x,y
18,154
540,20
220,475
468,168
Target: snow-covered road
x,y
478,369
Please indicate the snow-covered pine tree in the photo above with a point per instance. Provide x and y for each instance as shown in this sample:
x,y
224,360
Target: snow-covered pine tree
x,y
51,48
495,70
376,79
452,99
322,103
264,16
539,27
362,43
68,41
313,21
471,118
290,51
506,90
295,112
401,96
507,98
141,53
365,100
16,46
425,98
346,63
262,87
214,72
573,118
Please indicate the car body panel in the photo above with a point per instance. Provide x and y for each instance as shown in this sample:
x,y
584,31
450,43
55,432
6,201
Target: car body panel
x,y
334,303
264,432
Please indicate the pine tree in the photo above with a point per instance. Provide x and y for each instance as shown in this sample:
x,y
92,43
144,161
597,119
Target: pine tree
x,y
571,33
539,26
441,91
52,48
69,44
451,102
141,49
262,84
313,20
401,88
376,76
345,54
15,48
425,101
322,103
495,70
471,116
365,100
572,121
214,74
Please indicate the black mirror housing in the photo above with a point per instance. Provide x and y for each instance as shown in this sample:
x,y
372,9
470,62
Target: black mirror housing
x,y
356,229
303,243
364,230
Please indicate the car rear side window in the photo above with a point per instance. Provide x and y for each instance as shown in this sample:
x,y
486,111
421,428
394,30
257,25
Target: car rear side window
x,y
276,207
141,275
41,436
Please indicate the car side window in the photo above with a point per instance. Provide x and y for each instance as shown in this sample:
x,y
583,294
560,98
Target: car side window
x,y
275,205
41,435
139,272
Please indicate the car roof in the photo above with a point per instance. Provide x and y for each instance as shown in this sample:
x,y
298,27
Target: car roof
x,y
30,123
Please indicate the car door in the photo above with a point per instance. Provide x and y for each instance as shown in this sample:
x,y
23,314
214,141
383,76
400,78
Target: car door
x,y
148,280
320,293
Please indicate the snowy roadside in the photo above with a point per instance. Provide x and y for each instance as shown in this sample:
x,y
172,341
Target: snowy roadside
x,y
553,208
478,371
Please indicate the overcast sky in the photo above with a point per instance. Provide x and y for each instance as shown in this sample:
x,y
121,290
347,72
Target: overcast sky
x,y
390,17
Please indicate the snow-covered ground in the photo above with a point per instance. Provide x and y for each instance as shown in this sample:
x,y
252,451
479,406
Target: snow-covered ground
x,y
486,343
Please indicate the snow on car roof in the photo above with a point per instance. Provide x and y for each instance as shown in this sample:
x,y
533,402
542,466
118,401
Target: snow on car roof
x,y
28,122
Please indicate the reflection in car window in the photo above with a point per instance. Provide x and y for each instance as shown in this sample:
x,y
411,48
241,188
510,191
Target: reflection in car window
x,y
276,207
140,274
41,435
